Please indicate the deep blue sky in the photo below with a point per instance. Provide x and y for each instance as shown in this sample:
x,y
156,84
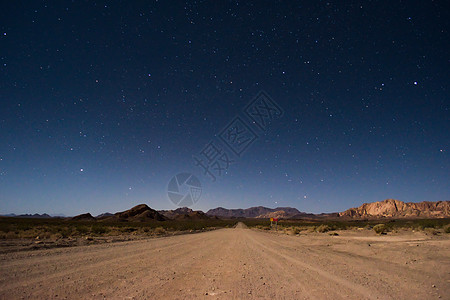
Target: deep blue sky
x,y
101,103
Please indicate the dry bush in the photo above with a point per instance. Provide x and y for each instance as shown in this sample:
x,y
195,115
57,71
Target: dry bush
x,y
56,236
323,228
291,230
296,230
99,229
159,230
447,228
431,231
380,228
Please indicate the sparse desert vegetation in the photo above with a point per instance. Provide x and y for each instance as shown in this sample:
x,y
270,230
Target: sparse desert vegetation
x,y
26,233
294,227
18,234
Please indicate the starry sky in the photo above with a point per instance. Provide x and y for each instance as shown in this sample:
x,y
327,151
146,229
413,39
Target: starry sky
x,y
103,102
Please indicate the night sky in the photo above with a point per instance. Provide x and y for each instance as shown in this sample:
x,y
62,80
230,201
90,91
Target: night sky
x,y
102,103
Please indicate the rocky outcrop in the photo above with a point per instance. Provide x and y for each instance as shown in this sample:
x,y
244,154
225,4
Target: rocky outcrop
x,y
279,214
391,208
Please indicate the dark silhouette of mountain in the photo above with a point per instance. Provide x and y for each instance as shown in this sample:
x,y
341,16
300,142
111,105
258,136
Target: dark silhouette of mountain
x,y
83,217
139,213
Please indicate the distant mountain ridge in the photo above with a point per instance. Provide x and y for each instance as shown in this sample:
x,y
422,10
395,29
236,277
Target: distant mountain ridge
x,y
183,213
252,212
36,216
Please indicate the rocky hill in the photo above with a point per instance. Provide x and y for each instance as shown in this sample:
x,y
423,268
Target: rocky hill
x,y
183,213
139,213
391,208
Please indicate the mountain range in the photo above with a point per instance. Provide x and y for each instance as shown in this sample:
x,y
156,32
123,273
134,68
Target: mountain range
x,y
389,208
252,212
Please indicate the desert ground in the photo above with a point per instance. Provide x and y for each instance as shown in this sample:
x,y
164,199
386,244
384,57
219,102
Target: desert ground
x,y
236,263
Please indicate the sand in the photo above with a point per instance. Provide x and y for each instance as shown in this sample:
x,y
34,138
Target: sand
x,y
237,263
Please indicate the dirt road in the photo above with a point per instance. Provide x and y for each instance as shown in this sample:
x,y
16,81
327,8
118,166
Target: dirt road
x,y
236,263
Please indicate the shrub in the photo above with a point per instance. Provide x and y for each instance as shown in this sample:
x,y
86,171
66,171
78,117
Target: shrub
x,y
431,231
380,228
296,230
129,229
65,232
98,229
159,230
323,228
82,229
447,228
